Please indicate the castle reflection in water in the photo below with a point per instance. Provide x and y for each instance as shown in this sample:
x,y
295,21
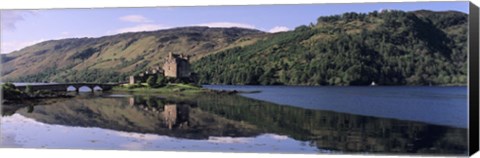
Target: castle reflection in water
x,y
174,115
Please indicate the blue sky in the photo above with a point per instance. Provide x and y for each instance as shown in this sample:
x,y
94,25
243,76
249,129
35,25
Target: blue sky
x,y
20,28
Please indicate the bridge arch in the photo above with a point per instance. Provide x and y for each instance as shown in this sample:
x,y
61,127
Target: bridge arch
x,y
71,88
97,88
82,88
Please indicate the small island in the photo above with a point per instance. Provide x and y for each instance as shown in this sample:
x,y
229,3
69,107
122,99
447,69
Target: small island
x,y
175,77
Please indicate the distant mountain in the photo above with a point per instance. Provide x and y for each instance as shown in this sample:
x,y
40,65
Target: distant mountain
x,y
388,48
114,58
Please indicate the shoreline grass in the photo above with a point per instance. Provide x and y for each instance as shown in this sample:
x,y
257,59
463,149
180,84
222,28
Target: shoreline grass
x,y
170,88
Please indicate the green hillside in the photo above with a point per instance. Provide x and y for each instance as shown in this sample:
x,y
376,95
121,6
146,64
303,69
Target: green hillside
x,y
389,48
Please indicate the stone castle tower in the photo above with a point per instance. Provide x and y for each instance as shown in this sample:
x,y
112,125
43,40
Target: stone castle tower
x,y
177,66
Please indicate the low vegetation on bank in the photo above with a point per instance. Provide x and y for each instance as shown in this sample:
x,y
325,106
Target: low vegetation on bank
x,y
172,88
161,84
12,94
168,88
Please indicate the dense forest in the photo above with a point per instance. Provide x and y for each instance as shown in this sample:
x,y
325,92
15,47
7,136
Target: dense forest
x,y
388,47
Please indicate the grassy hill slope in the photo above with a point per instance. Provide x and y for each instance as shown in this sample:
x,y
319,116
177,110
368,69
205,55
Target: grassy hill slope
x,y
113,58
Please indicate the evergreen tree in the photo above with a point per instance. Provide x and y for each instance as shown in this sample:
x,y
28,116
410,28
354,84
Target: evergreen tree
x,y
151,81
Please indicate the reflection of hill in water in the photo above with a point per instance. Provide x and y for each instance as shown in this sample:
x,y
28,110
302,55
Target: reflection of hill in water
x,y
232,115
117,114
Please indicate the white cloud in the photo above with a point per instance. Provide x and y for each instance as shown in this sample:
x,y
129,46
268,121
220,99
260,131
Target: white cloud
x,y
145,24
141,27
135,19
278,29
243,25
9,19
8,47
153,27
227,25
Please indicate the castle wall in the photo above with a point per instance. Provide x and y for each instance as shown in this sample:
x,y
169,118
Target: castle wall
x,y
184,69
176,66
132,80
170,69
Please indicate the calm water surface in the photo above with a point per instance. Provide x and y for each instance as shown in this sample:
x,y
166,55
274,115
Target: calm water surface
x,y
437,105
234,123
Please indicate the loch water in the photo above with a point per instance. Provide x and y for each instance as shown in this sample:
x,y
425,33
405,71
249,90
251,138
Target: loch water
x,y
431,104
275,120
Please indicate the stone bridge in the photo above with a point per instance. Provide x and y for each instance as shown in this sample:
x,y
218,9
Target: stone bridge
x,y
65,86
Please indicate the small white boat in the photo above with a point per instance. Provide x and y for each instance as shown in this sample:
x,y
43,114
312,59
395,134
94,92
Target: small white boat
x,y
373,84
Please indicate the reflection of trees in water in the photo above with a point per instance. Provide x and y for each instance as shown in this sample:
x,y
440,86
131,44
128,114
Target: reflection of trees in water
x,y
11,108
339,131
198,117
